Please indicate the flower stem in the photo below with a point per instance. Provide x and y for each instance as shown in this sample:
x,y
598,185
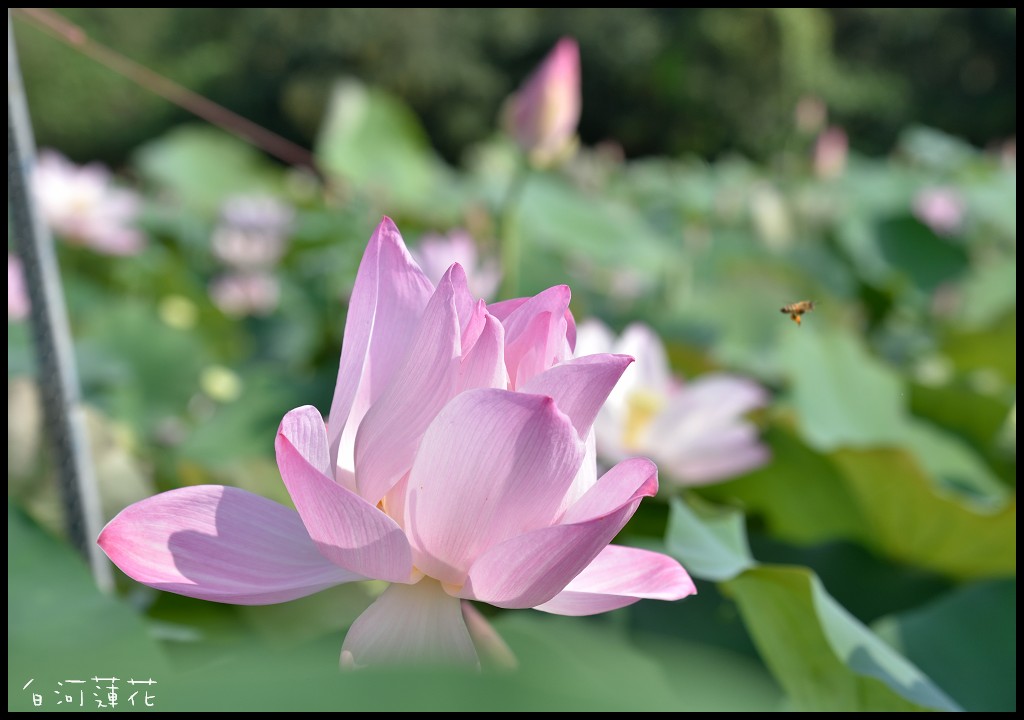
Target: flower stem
x,y
511,246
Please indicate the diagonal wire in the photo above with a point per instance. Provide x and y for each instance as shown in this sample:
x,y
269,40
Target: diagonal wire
x,y
75,37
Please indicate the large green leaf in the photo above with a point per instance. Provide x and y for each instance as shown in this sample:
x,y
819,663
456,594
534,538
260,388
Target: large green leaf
x,y
825,658
201,166
598,230
564,664
60,627
966,641
919,254
843,396
911,520
372,141
711,544
800,495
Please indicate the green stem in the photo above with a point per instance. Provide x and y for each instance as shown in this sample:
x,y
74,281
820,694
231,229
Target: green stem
x,y
511,247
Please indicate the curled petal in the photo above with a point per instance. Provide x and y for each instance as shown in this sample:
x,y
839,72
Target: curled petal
x,y
410,624
532,568
388,299
346,528
618,577
492,465
219,543
539,332
484,365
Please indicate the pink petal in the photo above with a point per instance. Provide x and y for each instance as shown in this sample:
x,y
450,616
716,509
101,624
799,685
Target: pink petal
x,y
536,334
388,298
484,365
530,569
346,528
586,476
504,309
732,452
219,543
712,400
471,312
391,431
580,386
492,465
618,577
626,483
410,624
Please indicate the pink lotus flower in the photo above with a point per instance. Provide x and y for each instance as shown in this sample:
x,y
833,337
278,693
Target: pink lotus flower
x,y
830,152
456,465
252,232
246,293
543,114
940,208
83,206
695,430
17,294
436,253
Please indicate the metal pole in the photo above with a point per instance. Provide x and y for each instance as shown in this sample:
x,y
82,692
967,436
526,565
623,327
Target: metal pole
x,y
58,378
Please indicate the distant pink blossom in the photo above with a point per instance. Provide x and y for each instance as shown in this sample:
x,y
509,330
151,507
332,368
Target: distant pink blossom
x,y
252,232
543,114
436,253
694,430
940,208
84,207
17,294
456,464
241,294
830,153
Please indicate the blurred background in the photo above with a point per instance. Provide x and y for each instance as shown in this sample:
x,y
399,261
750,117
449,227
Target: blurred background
x,y
728,163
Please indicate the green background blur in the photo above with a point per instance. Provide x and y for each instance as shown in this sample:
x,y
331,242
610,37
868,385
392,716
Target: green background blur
x,y
870,566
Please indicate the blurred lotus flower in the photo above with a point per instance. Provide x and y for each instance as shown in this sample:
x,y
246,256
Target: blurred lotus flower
x,y
246,293
436,253
830,152
252,232
83,206
456,464
543,114
695,431
940,208
771,217
17,294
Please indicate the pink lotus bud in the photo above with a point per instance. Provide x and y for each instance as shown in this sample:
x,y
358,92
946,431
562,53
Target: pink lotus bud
x,y
940,208
830,153
543,114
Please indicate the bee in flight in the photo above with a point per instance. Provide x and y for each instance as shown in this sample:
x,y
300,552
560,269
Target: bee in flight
x,y
797,309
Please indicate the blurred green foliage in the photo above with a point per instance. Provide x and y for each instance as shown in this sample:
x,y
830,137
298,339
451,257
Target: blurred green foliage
x,y
702,81
870,565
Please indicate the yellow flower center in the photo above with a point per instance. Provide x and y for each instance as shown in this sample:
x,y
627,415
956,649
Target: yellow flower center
x,y
641,408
